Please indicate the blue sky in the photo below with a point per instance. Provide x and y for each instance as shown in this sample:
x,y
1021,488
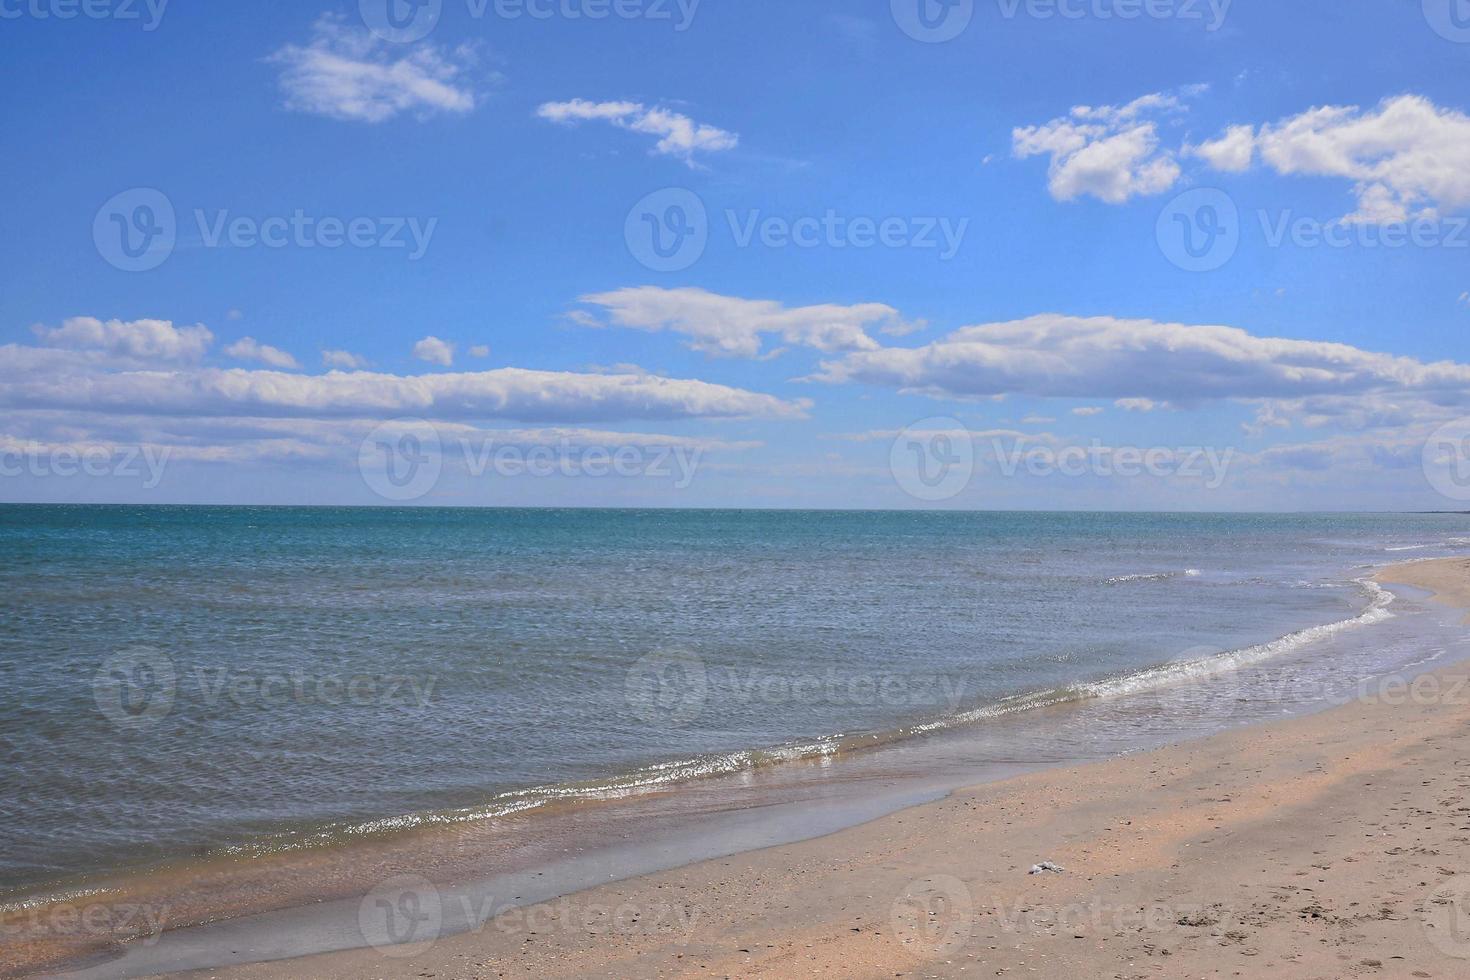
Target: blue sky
x,y
1030,296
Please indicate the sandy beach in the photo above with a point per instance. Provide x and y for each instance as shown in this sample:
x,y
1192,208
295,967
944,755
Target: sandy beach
x,y
1327,846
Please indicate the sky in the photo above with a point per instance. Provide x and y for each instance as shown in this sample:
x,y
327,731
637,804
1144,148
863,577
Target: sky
x,y
975,254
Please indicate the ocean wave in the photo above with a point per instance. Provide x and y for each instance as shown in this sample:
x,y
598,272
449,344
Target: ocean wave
x,y
1152,576
663,775
1199,668
1190,669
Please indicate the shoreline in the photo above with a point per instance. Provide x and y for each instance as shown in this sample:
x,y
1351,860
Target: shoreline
x,y
1318,846
818,826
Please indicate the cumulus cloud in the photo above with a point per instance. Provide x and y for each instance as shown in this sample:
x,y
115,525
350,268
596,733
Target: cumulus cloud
x,y
343,359
434,351
144,340
1110,152
678,135
730,326
1231,153
346,72
1052,355
1087,410
249,349
1407,157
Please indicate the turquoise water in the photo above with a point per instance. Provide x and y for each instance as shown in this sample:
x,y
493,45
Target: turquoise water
x,y
194,680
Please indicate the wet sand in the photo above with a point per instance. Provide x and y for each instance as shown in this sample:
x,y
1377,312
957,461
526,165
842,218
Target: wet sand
x,y
1328,846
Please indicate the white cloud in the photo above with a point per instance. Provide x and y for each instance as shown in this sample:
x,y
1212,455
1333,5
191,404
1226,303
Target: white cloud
x,y
144,340
249,349
35,379
345,360
1087,410
1136,404
434,351
242,441
1407,156
730,326
1052,355
679,136
1109,152
346,72
480,350
1231,153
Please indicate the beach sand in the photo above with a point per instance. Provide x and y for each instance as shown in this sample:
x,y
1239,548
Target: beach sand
x,y
1333,845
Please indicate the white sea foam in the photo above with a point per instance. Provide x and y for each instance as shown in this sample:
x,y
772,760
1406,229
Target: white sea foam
x,y
1152,576
1379,599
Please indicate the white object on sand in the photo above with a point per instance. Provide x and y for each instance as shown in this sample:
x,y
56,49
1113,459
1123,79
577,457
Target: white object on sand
x,y
1037,869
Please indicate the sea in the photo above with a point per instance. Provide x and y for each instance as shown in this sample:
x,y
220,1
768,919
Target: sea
x,y
202,699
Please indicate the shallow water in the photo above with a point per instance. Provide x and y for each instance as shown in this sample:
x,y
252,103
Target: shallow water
x,y
192,683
